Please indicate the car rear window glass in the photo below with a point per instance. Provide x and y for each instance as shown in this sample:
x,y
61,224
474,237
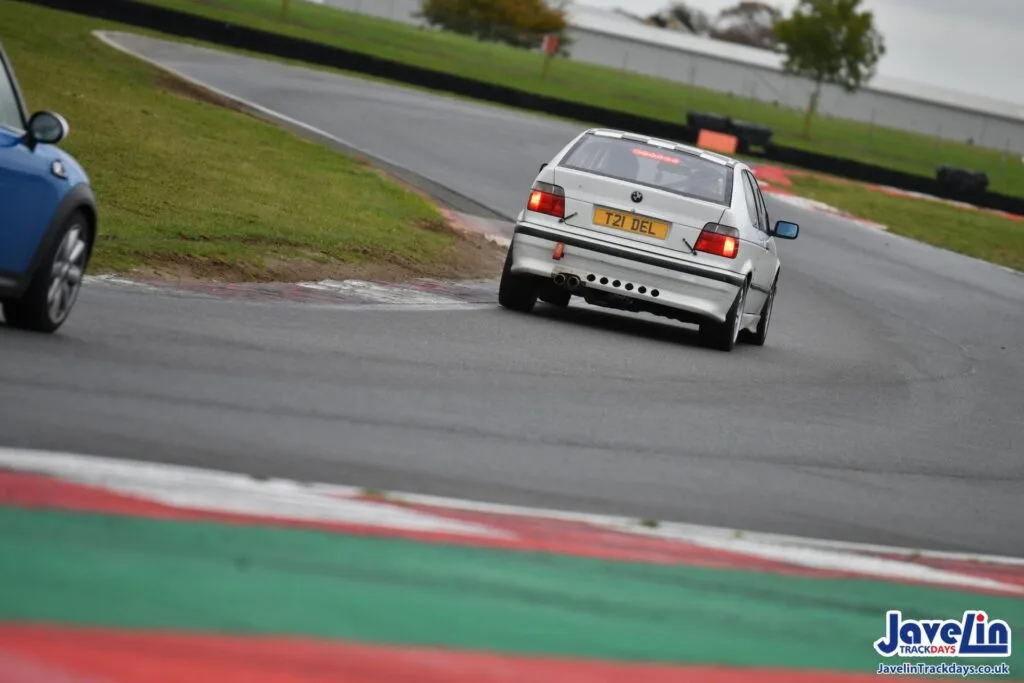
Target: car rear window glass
x,y
653,166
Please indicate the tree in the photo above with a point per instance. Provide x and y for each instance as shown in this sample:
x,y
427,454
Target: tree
x,y
830,41
690,17
747,23
522,23
680,16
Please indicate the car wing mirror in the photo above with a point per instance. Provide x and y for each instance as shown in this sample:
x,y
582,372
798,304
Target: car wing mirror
x,y
542,167
786,230
47,128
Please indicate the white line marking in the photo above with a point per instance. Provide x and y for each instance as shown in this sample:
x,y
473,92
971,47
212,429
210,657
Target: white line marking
x,y
107,37
121,281
228,492
838,560
693,531
194,488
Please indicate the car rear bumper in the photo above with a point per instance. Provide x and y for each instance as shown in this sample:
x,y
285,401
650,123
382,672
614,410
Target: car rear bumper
x,y
698,292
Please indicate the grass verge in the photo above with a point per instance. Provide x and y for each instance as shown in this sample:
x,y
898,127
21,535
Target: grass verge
x,y
974,233
627,91
188,187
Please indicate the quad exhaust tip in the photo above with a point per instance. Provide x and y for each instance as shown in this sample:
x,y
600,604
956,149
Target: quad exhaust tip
x,y
560,279
573,282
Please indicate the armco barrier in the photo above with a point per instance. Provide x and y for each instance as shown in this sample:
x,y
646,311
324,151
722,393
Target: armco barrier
x,y
752,133
877,175
188,25
699,120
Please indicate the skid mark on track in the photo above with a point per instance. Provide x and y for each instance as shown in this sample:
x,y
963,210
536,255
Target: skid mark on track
x,y
386,293
412,295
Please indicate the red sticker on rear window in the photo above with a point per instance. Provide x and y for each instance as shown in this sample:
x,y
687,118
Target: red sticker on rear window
x,y
648,154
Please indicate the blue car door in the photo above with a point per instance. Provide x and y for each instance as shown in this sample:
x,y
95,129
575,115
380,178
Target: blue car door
x,y
28,191
28,198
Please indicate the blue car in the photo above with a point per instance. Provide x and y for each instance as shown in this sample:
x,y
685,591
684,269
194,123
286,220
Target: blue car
x,y
48,216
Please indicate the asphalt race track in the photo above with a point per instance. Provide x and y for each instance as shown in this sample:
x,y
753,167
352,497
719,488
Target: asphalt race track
x,y
887,406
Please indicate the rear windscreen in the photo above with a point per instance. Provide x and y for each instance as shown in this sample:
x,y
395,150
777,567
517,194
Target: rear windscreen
x,y
645,164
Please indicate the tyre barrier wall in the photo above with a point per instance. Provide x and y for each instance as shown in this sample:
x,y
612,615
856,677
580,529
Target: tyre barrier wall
x,y
963,181
956,184
748,134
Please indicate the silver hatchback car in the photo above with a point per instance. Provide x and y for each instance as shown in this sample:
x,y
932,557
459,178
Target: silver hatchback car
x,y
646,225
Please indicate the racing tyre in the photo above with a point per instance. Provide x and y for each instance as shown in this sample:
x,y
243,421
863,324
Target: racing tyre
x,y
516,292
52,294
758,337
723,336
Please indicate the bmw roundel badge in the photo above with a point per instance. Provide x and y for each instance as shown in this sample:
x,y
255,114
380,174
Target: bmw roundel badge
x,y
637,197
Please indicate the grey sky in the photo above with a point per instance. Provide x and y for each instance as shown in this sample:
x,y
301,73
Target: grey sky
x,y
974,47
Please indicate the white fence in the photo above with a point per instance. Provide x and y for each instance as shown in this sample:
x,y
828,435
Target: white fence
x,y
396,10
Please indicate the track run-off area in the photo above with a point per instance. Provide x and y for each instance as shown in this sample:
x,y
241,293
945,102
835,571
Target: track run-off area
x,y
885,409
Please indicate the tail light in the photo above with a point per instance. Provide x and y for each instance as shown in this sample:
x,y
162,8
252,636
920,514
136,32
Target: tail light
x,y
547,198
720,240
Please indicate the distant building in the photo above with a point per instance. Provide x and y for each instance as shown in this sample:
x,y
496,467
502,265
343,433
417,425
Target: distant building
x,y
629,15
610,38
600,37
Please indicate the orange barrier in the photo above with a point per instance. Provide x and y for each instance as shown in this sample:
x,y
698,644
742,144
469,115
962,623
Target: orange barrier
x,y
717,142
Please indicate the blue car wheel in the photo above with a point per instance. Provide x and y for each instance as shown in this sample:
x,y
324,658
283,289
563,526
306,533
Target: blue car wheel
x,y
54,289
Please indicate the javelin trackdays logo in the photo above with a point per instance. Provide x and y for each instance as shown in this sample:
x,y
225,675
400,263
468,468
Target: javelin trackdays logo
x,y
975,635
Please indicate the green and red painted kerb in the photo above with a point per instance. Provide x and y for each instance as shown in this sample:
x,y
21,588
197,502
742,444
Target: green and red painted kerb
x,y
116,571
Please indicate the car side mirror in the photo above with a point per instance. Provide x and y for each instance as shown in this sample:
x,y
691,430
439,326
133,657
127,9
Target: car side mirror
x,y
786,230
542,167
47,128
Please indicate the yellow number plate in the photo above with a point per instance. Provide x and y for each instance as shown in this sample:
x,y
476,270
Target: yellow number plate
x,y
638,225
